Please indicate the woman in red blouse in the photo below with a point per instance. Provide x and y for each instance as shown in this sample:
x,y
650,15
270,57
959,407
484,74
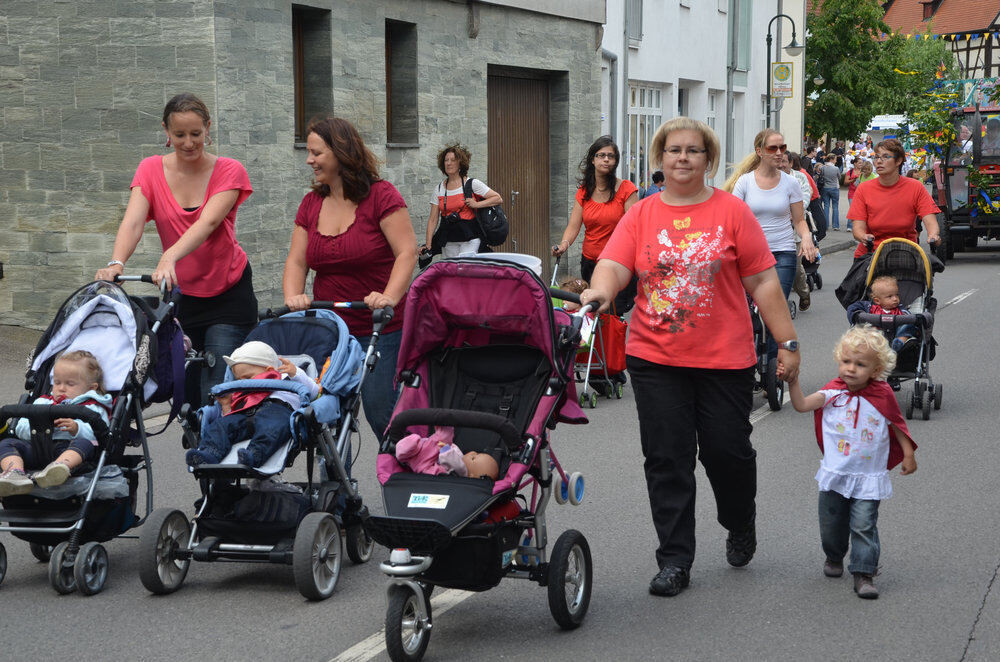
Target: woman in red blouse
x,y
698,251
601,201
354,231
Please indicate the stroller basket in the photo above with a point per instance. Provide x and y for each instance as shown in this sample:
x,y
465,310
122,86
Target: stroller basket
x,y
420,535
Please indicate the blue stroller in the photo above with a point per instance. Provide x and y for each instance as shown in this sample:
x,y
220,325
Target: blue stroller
x,y
245,513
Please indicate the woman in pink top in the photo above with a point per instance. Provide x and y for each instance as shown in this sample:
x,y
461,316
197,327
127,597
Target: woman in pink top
x,y
354,231
698,252
192,196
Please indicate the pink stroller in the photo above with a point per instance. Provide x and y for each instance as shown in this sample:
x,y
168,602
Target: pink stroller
x,y
483,351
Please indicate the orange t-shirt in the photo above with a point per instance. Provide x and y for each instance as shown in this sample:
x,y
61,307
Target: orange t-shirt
x,y
889,211
600,218
691,309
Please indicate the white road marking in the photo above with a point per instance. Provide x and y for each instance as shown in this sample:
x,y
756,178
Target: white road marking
x,y
761,412
375,644
961,297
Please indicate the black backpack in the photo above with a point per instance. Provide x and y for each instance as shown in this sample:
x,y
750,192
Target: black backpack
x,y
493,225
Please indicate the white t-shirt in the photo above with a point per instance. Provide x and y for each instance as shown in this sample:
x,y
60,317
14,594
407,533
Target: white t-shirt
x,y
855,448
478,187
772,207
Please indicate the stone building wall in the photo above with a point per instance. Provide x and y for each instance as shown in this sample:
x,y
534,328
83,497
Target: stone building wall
x,y
83,84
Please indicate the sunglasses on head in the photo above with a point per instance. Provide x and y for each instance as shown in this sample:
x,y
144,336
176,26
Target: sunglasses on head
x,y
771,149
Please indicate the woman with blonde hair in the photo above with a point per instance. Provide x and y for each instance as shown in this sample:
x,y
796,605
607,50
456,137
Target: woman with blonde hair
x,y
775,199
697,252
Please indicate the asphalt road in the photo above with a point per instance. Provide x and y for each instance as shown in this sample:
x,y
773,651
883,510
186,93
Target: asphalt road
x,y
939,546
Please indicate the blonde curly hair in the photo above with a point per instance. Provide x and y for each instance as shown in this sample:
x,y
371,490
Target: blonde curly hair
x,y
866,338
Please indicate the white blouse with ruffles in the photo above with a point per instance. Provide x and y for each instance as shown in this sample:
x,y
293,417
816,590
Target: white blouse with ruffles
x,y
855,448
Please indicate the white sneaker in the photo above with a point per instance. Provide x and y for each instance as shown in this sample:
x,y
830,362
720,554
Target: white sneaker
x,y
54,474
14,481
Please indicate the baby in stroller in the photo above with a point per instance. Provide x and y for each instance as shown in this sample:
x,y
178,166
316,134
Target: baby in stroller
x,y
885,301
77,379
262,416
438,454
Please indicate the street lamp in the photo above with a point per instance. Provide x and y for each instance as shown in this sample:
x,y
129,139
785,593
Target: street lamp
x,y
818,78
794,48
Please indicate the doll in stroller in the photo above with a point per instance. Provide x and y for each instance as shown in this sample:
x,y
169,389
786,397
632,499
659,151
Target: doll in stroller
x,y
246,513
66,524
499,371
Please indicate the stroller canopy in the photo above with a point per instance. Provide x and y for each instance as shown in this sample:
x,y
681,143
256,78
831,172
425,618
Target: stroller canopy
x,y
905,261
476,302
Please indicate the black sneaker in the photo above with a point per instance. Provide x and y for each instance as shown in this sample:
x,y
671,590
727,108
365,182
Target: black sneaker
x,y
741,545
670,581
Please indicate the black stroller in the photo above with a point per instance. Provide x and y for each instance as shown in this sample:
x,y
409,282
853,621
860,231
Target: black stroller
x,y
245,514
65,525
499,370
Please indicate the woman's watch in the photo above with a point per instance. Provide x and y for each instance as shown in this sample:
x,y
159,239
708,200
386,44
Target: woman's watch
x,y
790,345
118,262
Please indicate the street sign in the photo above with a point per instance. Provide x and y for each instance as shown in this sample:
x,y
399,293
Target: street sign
x,y
781,79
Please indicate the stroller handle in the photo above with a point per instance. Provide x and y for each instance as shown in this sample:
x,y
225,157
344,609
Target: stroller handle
x,y
382,315
455,418
891,321
174,293
52,412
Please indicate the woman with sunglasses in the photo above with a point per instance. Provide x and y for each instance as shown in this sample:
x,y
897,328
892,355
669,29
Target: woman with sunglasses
x,y
775,199
885,206
601,201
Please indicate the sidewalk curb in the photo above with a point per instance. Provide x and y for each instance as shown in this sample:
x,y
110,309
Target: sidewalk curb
x,y
837,246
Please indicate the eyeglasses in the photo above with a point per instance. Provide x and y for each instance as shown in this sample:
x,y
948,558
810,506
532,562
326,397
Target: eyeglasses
x,y
772,149
883,157
676,152
605,155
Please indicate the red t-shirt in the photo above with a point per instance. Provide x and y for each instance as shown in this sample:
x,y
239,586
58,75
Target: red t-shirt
x,y
600,218
218,263
357,262
889,211
691,309
812,185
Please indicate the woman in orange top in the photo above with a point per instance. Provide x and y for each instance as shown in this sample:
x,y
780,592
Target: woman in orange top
x,y
601,201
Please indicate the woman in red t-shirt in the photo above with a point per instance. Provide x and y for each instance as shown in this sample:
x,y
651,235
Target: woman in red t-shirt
x,y
601,201
697,252
885,207
354,231
192,196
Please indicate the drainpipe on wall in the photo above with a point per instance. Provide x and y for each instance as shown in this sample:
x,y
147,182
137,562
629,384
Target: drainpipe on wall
x,y
730,72
625,59
613,92
777,112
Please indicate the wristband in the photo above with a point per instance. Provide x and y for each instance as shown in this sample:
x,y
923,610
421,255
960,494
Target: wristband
x,y
118,262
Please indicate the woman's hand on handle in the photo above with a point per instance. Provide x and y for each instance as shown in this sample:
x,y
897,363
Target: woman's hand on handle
x,y
377,300
298,302
809,248
596,296
560,248
166,270
109,273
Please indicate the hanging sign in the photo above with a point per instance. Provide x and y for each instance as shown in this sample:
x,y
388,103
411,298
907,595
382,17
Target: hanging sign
x,y
781,79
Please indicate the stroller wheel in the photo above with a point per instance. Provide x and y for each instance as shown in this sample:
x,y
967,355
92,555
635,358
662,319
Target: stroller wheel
x,y
792,309
570,577
619,391
908,409
927,403
576,485
359,544
61,574
3,562
593,400
775,387
90,570
559,488
316,556
407,631
166,531
937,395
818,280
41,552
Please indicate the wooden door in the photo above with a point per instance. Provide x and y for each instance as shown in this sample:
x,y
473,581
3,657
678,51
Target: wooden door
x,y
518,167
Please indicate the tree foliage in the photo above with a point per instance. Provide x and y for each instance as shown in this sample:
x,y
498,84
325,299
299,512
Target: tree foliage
x,y
867,70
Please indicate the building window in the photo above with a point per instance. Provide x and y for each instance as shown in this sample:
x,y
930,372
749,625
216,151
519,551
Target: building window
x,y
713,101
744,25
645,114
311,66
763,113
682,102
634,22
402,124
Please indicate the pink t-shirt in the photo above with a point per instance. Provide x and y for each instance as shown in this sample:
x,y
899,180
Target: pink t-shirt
x,y
691,309
218,263
357,262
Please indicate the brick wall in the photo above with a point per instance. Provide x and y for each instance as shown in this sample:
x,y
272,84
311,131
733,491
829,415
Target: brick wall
x,y
83,84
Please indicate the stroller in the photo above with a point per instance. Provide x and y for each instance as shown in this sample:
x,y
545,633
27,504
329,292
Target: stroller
x,y
766,369
66,524
245,513
908,264
499,370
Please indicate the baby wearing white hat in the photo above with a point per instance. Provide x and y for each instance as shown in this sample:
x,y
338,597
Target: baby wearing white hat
x,y
263,416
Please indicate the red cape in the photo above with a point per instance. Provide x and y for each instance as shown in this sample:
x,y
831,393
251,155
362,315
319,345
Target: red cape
x,y
880,395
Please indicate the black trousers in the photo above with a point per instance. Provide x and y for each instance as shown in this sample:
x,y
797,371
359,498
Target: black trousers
x,y
684,412
625,300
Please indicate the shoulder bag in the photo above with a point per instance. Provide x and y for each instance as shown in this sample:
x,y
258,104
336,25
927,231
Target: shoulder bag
x,y
493,225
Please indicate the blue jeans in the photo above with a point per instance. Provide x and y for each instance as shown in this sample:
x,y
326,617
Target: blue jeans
x,y
221,340
831,198
268,428
855,520
377,392
786,263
